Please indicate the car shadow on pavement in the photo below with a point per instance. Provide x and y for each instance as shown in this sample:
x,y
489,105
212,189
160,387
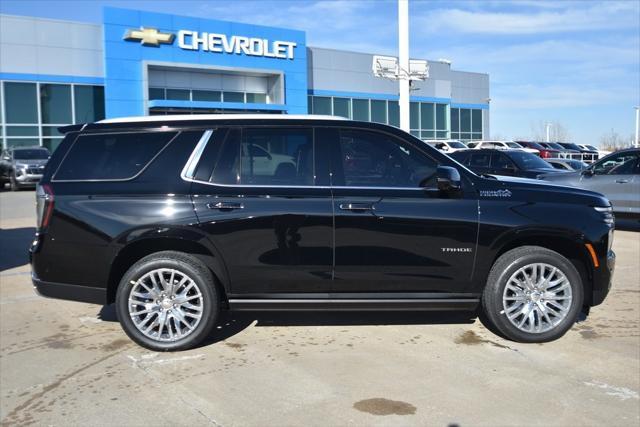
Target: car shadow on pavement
x,y
627,224
14,246
232,323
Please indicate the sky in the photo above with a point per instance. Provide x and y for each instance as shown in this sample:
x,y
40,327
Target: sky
x,y
576,63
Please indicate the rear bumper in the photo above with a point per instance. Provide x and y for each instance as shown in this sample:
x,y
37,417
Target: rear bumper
x,y
602,279
69,292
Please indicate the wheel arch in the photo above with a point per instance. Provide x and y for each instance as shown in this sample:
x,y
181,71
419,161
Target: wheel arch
x,y
134,251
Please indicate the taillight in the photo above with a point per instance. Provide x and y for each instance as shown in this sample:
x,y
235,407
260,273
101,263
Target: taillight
x,y
545,154
44,205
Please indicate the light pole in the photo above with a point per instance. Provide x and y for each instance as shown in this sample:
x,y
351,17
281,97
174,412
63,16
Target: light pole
x,y
548,126
637,142
403,63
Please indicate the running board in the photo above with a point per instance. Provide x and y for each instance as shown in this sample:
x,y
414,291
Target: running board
x,y
446,304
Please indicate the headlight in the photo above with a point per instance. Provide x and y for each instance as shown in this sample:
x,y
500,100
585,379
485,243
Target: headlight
x,y
21,166
607,214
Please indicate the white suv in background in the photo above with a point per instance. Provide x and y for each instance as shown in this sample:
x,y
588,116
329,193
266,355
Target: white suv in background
x,y
504,145
447,145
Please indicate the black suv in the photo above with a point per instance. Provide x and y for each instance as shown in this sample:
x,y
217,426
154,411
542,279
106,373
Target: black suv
x,y
175,218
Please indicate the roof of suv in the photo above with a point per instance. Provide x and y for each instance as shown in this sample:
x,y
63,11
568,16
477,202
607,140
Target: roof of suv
x,y
214,117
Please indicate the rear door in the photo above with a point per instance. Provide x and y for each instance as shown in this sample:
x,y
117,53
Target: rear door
x,y
259,196
394,232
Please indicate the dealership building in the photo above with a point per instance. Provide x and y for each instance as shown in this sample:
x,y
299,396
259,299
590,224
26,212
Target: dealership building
x,y
54,73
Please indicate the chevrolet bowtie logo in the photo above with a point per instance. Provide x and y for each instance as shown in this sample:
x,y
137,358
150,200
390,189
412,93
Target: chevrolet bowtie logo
x,y
149,36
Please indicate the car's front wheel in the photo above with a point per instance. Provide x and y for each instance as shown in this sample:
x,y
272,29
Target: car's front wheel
x,y
533,294
167,301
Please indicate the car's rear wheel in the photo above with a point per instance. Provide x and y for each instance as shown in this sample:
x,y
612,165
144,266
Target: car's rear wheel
x,y
167,301
533,294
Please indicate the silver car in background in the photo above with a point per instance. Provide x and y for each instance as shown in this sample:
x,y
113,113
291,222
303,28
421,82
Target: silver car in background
x,y
617,176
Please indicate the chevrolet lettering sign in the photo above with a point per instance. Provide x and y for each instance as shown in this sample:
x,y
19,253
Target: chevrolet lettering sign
x,y
211,42
216,43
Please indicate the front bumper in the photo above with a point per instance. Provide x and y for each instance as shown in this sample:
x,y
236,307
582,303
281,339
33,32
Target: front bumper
x,y
602,279
28,179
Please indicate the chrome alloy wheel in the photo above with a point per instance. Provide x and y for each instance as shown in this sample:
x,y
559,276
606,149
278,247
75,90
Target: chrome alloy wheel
x,y
165,304
537,298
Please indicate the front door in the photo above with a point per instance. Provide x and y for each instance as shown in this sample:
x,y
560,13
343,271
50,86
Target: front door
x,y
259,202
394,232
618,179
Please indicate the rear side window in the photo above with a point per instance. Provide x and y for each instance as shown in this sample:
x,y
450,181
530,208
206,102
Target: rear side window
x,y
111,156
479,160
266,156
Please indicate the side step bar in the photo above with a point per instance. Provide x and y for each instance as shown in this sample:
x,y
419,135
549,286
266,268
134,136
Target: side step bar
x,y
445,304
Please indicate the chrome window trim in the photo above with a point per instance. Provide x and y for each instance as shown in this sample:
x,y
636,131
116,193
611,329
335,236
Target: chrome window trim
x,y
53,178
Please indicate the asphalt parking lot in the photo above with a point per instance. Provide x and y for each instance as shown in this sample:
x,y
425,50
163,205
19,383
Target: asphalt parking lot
x,y
66,363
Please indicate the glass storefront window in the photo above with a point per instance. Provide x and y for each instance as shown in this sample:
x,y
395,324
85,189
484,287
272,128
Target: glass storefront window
x,y
55,103
394,113
465,120
342,107
256,98
426,116
441,116
361,109
414,115
206,95
179,94
51,143
50,131
89,103
322,105
378,111
233,97
476,120
22,130
22,142
156,93
455,120
427,134
20,102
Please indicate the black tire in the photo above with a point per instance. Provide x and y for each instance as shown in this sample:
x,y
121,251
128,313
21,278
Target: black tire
x,y
502,270
187,265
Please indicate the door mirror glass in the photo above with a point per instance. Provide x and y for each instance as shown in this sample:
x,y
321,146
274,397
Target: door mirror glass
x,y
448,179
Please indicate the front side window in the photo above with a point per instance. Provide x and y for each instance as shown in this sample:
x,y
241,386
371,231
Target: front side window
x,y
479,160
372,159
265,156
618,164
528,161
500,161
111,156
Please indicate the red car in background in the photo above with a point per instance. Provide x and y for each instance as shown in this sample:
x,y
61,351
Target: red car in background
x,y
545,153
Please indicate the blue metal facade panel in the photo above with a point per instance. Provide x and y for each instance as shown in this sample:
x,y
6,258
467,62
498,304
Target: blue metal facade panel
x,y
124,60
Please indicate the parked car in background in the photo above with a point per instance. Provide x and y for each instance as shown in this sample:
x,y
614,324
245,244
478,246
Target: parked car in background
x,y
22,166
447,146
544,152
504,162
587,156
617,176
567,164
503,145
601,153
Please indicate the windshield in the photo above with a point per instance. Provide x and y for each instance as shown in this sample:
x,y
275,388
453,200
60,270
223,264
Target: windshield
x,y
591,147
513,145
554,145
456,144
570,146
528,161
576,164
31,154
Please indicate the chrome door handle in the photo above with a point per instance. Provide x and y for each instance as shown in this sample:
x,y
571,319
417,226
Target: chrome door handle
x,y
225,206
622,181
356,207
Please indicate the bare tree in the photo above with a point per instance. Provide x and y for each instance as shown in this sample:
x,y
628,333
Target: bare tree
x,y
557,131
612,141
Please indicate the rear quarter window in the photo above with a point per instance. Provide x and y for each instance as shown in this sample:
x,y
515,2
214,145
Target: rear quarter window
x,y
112,156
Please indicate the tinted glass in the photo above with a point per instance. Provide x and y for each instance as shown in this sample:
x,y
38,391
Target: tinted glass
x,y
441,116
360,109
277,156
500,161
206,95
233,97
89,103
31,154
111,156
371,159
322,105
178,94
617,164
20,102
22,130
257,98
465,121
479,160
378,111
394,113
427,116
414,115
570,146
455,119
456,144
476,120
55,103
341,107
528,161
156,93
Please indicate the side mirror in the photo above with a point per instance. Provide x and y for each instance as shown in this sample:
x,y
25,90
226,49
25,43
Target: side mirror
x,y
448,179
588,172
